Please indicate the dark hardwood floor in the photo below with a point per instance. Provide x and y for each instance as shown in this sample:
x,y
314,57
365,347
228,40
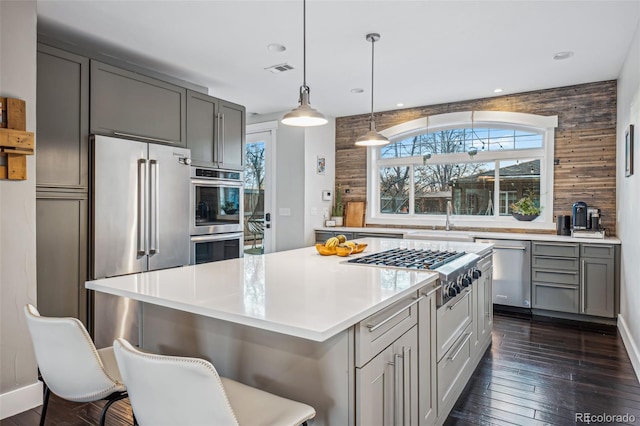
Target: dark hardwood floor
x,y
533,374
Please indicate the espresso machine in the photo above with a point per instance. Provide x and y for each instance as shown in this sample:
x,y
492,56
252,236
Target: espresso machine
x,y
586,221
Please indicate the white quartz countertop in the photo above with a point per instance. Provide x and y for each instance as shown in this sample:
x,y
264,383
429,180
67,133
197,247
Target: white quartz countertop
x,y
296,292
461,234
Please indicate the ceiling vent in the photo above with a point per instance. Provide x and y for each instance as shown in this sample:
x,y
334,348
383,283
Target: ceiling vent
x,y
277,69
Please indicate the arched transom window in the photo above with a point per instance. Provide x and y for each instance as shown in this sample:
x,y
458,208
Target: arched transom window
x,y
482,162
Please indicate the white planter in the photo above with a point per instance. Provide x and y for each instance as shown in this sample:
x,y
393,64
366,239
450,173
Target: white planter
x,y
337,219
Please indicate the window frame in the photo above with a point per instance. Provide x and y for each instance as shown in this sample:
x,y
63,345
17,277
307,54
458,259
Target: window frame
x,y
545,125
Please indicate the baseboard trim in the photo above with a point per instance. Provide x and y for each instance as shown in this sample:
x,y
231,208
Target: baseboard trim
x,y
630,345
19,400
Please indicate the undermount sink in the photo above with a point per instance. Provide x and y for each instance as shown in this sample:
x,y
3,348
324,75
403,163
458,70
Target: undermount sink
x,y
439,236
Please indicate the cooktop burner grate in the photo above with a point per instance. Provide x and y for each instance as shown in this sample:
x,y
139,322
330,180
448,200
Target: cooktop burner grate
x,y
409,258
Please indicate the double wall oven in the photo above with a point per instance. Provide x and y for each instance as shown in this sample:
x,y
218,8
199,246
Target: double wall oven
x,y
216,215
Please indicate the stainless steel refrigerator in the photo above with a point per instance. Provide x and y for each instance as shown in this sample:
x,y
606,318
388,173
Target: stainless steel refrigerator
x,y
140,221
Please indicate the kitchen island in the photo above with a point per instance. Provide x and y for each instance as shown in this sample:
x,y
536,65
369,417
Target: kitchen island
x,y
298,324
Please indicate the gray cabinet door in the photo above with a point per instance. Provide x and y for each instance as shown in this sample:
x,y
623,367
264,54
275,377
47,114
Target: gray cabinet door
x,y
61,250
132,105
202,128
427,361
232,135
597,286
387,387
63,119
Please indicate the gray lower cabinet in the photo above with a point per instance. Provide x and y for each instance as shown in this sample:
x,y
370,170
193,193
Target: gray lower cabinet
x,y
597,283
215,131
324,235
131,105
555,276
61,250
387,386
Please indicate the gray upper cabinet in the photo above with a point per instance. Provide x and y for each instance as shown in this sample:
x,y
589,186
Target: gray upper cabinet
x,y
63,119
216,131
131,105
233,132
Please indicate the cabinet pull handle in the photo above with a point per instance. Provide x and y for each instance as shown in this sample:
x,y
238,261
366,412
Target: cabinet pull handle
x,y
567,286
466,339
397,392
221,145
129,135
374,327
466,291
509,248
142,214
583,290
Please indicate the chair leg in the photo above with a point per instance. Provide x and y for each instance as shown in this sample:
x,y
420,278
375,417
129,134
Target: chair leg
x,y
110,400
45,403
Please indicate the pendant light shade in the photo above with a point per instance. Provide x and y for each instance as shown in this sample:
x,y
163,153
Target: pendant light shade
x,y
304,115
372,137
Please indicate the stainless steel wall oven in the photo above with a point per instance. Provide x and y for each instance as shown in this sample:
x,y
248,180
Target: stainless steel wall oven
x,y
216,218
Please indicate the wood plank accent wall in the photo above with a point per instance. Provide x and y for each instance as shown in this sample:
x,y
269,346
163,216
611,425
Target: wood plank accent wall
x,y
585,144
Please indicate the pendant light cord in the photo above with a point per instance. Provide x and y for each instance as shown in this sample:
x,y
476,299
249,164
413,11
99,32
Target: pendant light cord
x,y
372,53
304,45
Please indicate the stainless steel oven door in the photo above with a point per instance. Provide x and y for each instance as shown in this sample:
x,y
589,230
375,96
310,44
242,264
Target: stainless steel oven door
x,y
212,248
216,206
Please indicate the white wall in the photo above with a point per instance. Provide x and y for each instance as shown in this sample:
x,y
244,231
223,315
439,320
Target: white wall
x,y
319,141
298,187
19,389
628,203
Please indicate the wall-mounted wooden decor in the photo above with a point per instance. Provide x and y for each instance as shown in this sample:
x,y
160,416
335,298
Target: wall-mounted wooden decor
x,y
15,142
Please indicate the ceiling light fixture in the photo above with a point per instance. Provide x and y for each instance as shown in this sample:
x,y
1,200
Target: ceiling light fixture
x,y
372,137
275,47
562,55
304,115
399,104
498,90
357,90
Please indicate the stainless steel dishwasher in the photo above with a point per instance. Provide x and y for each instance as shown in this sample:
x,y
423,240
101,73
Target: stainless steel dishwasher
x,y
511,272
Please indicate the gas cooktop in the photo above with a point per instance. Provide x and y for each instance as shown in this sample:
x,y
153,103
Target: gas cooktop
x,y
409,258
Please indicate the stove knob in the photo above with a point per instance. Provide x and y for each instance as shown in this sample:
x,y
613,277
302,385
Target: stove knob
x,y
466,281
477,274
453,292
458,286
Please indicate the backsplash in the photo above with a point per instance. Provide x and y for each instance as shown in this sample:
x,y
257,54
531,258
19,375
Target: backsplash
x,y
585,142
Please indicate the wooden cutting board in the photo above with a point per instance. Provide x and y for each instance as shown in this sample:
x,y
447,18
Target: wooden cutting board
x,y
354,215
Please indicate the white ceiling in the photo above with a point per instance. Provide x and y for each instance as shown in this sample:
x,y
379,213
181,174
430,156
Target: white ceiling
x,y
430,52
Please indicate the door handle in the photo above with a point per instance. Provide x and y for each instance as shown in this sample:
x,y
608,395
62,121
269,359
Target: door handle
x,y
142,214
154,246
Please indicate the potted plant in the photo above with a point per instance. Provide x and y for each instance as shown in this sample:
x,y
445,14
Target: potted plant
x,y
526,208
337,212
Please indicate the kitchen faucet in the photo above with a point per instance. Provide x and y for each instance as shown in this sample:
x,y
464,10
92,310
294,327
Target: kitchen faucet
x,y
448,224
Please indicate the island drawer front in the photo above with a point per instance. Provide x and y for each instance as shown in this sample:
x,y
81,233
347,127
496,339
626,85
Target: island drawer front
x,y
564,263
556,297
381,329
451,320
451,367
556,249
597,250
560,277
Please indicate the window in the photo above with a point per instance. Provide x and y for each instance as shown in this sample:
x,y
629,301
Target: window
x,y
482,162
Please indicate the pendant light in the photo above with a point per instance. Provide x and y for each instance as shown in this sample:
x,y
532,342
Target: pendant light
x,y
304,115
372,137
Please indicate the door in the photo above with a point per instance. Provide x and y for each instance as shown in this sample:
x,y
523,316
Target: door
x,y
259,181
118,208
169,185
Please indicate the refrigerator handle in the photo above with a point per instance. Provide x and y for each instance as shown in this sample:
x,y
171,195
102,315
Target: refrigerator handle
x,y
142,184
154,246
